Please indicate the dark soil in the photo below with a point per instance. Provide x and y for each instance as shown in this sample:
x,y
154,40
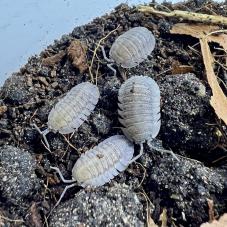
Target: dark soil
x,y
29,189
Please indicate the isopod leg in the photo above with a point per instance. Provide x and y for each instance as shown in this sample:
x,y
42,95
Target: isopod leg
x,y
113,69
138,156
61,176
62,195
104,54
162,150
43,133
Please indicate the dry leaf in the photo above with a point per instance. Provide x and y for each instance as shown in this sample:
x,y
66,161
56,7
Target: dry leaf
x,y
181,69
77,53
222,222
201,31
218,100
53,60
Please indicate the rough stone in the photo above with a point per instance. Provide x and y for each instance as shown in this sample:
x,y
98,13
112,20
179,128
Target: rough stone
x,y
185,187
115,206
17,174
16,91
186,114
101,123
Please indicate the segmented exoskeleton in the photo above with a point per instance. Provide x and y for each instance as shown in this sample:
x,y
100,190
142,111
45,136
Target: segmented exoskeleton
x,y
130,48
139,111
72,110
101,164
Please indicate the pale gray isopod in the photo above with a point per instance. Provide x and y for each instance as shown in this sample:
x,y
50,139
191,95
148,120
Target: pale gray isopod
x,y
139,110
72,110
131,48
101,164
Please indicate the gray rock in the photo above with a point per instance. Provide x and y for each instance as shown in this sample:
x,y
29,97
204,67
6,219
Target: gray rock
x,y
186,114
101,123
18,179
184,188
16,91
115,206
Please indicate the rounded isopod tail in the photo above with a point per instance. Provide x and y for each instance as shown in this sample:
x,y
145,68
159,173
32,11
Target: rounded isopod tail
x,y
72,110
100,164
131,48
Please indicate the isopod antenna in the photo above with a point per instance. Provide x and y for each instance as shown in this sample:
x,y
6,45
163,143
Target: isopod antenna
x,y
43,133
71,182
162,150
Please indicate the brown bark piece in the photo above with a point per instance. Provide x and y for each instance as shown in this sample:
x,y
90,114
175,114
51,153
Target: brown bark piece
x,y
77,54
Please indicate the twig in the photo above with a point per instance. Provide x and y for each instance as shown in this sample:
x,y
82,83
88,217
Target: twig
x,y
69,143
95,51
46,146
96,75
144,173
186,15
11,220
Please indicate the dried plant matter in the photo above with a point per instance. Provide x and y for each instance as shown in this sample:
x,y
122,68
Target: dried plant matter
x,y
53,60
204,33
77,53
211,32
186,15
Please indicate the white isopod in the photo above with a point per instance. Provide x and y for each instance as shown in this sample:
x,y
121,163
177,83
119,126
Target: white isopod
x,y
139,111
100,164
131,48
72,110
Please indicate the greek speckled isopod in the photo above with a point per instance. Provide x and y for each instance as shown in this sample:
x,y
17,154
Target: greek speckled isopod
x,y
101,164
72,110
139,111
131,48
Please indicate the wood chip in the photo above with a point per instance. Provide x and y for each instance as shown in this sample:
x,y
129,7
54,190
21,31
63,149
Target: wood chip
x,y
77,54
3,109
210,204
43,80
34,216
218,100
177,68
53,60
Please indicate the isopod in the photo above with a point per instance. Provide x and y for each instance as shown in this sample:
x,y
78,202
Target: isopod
x,y
139,111
72,110
130,48
100,164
